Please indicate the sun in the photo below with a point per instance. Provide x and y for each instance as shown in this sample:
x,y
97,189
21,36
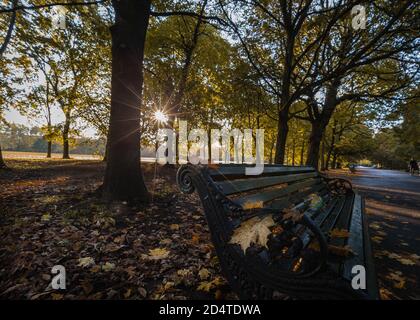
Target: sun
x,y
160,116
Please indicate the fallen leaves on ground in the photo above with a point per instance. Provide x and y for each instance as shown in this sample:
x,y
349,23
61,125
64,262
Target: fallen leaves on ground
x,y
86,262
209,285
50,216
156,254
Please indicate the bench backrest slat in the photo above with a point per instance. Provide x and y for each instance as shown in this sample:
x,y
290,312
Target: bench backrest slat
x,y
225,171
229,187
288,201
274,193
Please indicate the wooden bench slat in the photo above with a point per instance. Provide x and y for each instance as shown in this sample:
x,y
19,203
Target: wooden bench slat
x,y
235,170
229,187
331,219
355,240
272,194
297,197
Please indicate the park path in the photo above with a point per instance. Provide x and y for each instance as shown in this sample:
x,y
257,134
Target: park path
x,y
393,210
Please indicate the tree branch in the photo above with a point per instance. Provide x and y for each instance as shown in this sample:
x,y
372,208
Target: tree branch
x,y
49,5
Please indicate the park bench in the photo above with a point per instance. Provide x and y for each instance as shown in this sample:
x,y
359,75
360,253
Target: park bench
x,y
290,232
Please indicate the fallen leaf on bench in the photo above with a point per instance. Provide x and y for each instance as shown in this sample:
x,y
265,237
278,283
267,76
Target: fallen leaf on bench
x,y
156,254
252,205
293,214
339,233
316,201
345,251
254,230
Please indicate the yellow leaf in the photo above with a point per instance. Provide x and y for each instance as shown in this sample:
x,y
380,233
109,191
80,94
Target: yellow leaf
x,y
56,296
204,274
208,285
407,262
254,230
174,227
108,266
385,294
252,205
86,262
183,272
399,281
316,201
156,254
46,217
205,286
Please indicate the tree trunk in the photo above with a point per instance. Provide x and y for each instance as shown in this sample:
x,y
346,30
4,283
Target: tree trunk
x,y
65,134
282,131
2,163
319,124
314,145
49,147
123,175
323,155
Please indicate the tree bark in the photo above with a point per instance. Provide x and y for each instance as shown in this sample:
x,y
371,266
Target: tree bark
x,y
49,147
320,122
322,155
282,131
2,163
332,145
123,175
314,145
65,134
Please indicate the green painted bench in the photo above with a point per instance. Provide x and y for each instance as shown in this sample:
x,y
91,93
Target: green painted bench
x,y
290,232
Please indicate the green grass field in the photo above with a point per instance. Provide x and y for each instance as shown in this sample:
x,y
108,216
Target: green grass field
x,y
41,155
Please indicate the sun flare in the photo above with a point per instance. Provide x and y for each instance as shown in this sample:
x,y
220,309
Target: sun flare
x,y
160,116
